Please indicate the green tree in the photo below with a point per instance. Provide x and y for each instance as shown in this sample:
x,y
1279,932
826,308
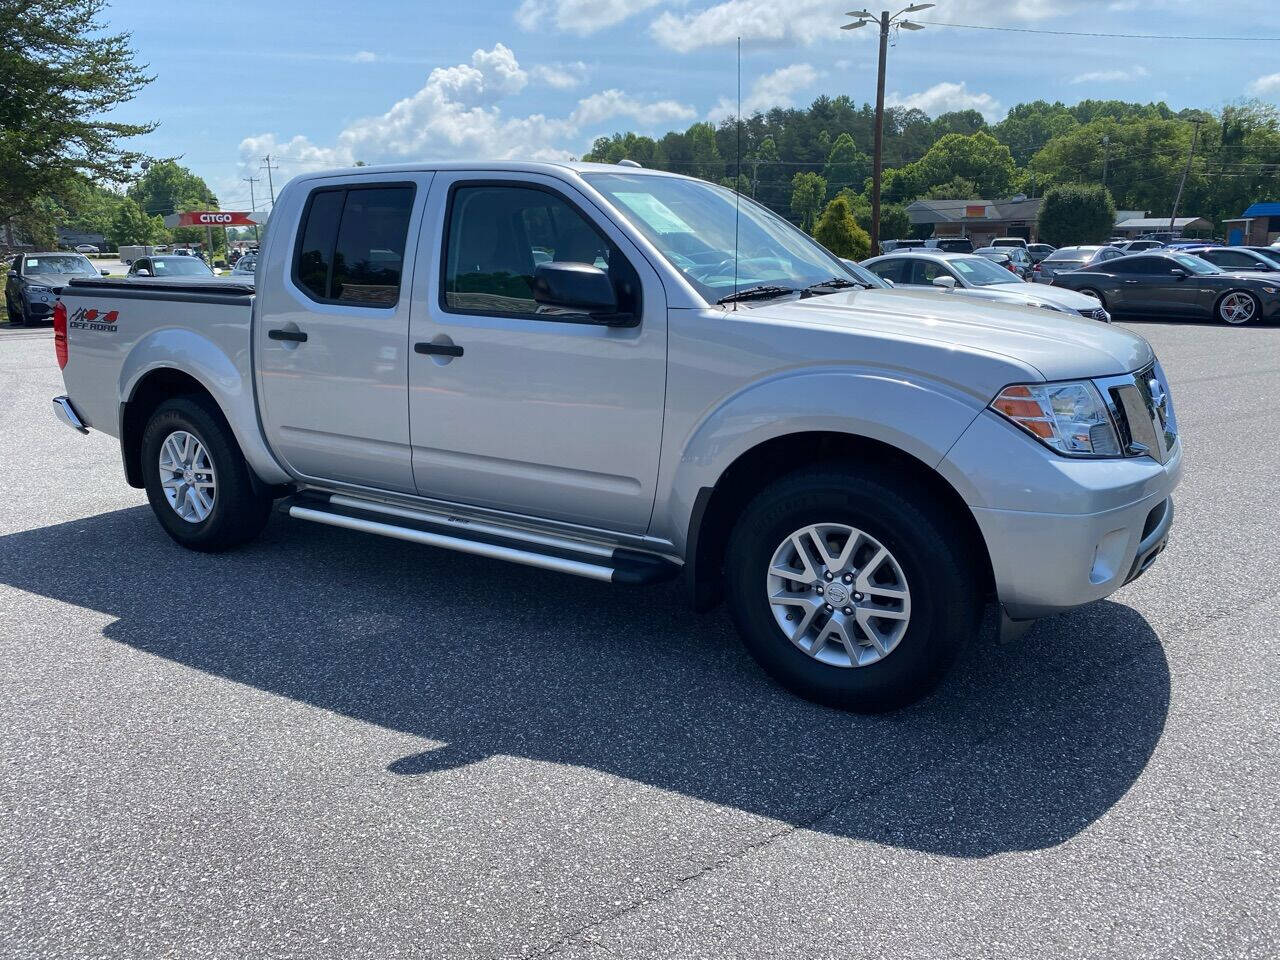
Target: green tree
x,y
959,121
61,74
808,191
846,164
895,223
704,153
1076,213
168,187
1029,126
957,188
131,225
627,146
839,232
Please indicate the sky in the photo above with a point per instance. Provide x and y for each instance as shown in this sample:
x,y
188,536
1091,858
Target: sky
x,y
318,84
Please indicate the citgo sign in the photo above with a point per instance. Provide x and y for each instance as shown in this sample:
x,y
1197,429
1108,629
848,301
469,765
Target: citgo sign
x,y
213,218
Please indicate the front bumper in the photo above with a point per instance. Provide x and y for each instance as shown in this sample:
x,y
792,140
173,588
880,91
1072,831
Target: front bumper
x,y
1060,532
38,309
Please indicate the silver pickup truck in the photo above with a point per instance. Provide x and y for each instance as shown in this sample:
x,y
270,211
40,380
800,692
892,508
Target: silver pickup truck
x,y
630,376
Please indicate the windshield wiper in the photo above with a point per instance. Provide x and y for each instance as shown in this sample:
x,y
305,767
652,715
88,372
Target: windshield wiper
x,y
765,291
830,286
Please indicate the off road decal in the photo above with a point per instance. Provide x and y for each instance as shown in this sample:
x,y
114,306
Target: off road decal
x,y
89,318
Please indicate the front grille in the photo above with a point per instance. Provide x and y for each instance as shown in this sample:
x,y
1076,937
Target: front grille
x,y
1143,411
1096,313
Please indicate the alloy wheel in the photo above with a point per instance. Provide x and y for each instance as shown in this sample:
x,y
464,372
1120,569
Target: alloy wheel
x,y
187,476
839,595
1237,308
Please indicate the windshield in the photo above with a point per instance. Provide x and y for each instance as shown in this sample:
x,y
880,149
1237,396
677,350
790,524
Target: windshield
x,y
692,222
65,266
982,272
1195,264
1070,254
179,267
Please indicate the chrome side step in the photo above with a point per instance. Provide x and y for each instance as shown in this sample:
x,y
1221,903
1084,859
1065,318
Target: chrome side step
x,y
596,561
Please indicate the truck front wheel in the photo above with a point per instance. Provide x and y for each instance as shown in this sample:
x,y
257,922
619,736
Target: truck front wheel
x,y
851,586
197,480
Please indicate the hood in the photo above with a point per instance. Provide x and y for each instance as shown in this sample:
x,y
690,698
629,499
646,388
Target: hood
x,y
1058,346
49,279
1043,293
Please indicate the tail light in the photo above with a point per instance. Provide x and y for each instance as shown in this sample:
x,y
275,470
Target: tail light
x,y
1013,267
1035,267
60,333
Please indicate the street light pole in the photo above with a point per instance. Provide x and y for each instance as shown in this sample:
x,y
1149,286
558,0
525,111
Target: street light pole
x,y
877,162
884,21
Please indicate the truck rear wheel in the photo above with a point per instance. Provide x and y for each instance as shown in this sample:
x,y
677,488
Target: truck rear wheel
x,y
851,587
197,480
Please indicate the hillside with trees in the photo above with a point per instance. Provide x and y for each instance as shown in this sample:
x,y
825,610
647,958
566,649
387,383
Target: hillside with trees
x,y
795,158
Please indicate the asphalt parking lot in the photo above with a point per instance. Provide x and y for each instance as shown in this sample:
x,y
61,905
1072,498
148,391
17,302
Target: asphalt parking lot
x,y
327,745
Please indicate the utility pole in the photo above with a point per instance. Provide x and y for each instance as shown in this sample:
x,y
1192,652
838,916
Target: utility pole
x,y
884,21
877,163
1195,133
268,166
253,204
1106,156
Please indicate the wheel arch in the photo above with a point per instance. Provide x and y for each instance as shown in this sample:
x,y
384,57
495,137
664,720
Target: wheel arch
x,y
715,507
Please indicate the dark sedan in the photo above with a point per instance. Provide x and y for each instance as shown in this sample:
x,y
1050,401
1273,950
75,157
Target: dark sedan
x,y
29,291
1176,285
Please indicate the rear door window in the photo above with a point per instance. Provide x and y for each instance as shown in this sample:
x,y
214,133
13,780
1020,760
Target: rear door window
x,y
889,269
352,243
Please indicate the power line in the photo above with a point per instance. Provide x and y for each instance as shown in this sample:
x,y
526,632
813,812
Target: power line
x,y
1112,36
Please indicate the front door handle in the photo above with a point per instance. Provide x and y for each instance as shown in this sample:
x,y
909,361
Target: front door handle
x,y
296,336
438,349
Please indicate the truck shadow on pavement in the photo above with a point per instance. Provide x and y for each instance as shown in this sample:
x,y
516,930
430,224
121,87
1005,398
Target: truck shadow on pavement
x,y
1023,746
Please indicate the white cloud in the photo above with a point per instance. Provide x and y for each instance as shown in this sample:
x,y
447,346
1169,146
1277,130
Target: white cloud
x,y
945,97
578,16
364,56
1268,86
800,21
775,89
561,76
1111,76
614,103
458,114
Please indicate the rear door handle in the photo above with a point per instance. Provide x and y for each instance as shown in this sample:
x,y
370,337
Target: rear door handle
x,y
438,349
297,336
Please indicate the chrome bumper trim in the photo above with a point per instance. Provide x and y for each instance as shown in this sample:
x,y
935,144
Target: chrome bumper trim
x,y
67,414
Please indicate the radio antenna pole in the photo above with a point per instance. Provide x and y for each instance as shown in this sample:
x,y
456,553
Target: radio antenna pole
x,y
737,177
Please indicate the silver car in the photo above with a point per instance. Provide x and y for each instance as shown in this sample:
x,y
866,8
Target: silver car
x,y
974,276
1073,258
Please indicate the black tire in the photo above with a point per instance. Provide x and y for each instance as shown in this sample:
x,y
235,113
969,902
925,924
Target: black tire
x,y
929,546
1096,294
240,508
16,319
1257,308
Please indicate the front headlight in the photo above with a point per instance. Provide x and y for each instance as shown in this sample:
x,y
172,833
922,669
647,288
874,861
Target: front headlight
x,y
39,290
1070,418
1048,306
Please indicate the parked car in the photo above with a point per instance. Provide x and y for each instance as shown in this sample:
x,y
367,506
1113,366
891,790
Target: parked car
x,y
86,248
975,277
245,266
1137,246
1238,259
1039,251
853,468
1014,259
887,245
1071,258
1161,237
172,265
31,286
1010,242
1176,285
950,244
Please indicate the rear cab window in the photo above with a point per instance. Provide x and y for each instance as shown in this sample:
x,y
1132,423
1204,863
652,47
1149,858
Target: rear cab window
x,y
351,244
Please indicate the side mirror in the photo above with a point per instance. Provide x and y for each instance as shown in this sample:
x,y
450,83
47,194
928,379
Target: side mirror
x,y
105,273
579,288
946,283
1179,273
143,273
